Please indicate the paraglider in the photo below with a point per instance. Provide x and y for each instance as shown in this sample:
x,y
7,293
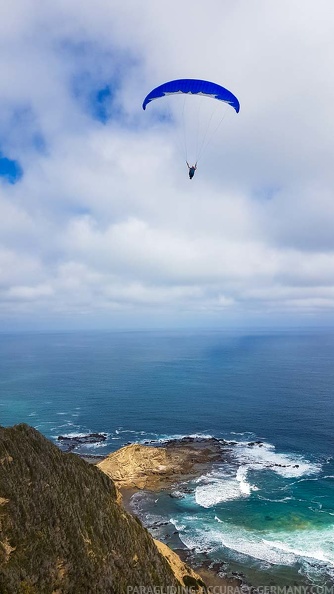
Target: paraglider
x,y
194,87
192,169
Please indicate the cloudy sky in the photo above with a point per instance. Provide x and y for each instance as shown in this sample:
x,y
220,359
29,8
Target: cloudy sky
x,y
100,226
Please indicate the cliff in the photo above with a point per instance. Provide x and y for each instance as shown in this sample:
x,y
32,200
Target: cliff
x,y
62,530
181,570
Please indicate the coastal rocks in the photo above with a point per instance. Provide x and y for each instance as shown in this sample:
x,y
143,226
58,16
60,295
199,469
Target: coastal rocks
x,y
215,574
147,467
70,442
176,495
135,465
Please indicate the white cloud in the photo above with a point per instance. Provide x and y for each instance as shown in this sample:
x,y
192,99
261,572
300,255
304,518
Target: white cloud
x,y
28,293
105,219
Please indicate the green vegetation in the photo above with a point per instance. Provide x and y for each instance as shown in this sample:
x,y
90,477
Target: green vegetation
x,y
61,528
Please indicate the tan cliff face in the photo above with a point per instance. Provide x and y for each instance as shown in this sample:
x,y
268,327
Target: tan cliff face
x,y
181,570
62,530
146,467
137,466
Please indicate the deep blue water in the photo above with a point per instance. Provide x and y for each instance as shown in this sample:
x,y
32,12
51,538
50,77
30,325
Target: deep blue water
x,y
273,386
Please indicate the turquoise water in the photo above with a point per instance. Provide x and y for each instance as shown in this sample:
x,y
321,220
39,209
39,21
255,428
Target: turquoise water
x,y
269,512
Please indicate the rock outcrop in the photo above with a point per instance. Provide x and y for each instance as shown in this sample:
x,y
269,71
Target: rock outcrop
x,y
147,467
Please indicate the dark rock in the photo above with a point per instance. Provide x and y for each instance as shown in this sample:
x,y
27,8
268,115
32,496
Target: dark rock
x,y
73,441
89,438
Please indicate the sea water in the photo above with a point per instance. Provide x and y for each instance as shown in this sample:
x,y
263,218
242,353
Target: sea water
x,y
268,512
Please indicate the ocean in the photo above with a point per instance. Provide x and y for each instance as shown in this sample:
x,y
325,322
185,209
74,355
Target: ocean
x,y
268,513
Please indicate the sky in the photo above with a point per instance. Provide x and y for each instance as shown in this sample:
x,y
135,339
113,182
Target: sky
x,y
100,226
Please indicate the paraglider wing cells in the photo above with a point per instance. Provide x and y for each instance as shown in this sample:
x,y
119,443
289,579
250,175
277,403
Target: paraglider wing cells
x,y
193,87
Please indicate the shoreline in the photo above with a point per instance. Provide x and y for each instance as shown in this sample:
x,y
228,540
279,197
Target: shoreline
x,y
196,456
208,571
166,469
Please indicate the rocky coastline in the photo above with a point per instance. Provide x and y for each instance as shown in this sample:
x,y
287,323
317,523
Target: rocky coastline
x,y
69,443
156,467
168,467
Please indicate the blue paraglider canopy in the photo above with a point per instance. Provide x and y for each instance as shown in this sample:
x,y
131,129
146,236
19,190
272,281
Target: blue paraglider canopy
x,y
193,86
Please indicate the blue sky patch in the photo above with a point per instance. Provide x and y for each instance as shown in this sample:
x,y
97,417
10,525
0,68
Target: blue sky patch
x,y
99,101
97,78
102,103
10,170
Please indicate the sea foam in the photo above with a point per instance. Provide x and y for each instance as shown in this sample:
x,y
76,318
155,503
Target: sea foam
x,y
264,456
277,548
219,486
217,491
